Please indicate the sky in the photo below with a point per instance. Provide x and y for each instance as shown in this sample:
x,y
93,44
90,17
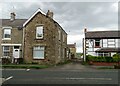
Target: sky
x,y
72,16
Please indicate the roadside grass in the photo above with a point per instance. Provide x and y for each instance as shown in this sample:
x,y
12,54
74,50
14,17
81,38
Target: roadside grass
x,y
85,63
25,66
105,68
33,65
65,62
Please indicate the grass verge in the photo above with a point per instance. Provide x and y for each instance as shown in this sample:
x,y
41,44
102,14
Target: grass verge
x,y
34,66
62,63
105,68
25,66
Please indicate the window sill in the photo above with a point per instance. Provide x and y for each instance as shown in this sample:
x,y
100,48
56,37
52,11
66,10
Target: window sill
x,y
38,38
97,47
5,57
6,39
37,59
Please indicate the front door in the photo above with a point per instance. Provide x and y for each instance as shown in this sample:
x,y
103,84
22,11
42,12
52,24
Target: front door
x,y
16,52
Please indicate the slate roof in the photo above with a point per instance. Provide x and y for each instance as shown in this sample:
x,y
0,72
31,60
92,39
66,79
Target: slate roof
x,y
71,46
15,23
108,50
102,34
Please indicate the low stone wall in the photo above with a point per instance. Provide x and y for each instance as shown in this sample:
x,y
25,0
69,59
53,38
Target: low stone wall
x,y
104,63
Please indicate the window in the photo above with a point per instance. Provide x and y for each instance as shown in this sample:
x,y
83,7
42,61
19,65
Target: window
x,y
63,52
38,52
97,43
39,32
63,38
7,33
59,52
59,34
111,42
103,54
6,51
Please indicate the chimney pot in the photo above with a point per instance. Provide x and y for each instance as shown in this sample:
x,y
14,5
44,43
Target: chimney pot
x,y
12,15
85,29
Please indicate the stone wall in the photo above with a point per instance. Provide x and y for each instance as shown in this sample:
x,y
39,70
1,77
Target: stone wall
x,y
50,40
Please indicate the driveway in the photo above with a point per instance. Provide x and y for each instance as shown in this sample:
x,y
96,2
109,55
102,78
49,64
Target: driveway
x,y
71,66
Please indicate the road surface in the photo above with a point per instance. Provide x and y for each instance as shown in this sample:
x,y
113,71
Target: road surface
x,y
73,73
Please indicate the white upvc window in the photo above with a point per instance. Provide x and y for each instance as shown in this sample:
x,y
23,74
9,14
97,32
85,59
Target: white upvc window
x,y
7,33
103,54
39,32
6,51
38,52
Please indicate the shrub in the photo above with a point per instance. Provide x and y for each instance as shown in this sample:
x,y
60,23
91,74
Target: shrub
x,y
116,57
34,62
90,58
98,58
108,59
6,60
21,60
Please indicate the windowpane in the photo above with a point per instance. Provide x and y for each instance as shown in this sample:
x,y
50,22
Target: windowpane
x,y
59,34
6,51
7,33
6,54
38,52
97,42
39,32
6,48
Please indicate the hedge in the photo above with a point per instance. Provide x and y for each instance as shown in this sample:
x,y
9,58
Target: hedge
x,y
115,58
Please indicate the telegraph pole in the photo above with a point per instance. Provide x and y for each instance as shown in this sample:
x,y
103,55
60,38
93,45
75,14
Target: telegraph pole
x,y
84,50
84,45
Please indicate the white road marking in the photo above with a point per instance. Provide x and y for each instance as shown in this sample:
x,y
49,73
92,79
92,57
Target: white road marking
x,y
27,69
9,78
89,78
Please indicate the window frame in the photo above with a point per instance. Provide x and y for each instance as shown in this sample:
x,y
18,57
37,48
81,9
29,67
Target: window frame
x,y
4,51
97,41
40,49
37,27
59,34
6,28
103,54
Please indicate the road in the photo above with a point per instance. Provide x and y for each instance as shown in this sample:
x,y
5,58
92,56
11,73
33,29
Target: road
x,y
73,73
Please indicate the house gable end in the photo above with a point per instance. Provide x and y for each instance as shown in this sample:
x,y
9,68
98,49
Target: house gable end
x,y
38,11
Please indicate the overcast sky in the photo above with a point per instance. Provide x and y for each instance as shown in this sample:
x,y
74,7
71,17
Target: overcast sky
x,y
72,16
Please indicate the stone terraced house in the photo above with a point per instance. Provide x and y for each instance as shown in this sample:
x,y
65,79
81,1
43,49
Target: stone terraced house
x,y
38,39
72,51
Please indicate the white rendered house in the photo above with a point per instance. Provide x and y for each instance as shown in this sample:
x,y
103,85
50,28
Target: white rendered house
x,y
101,43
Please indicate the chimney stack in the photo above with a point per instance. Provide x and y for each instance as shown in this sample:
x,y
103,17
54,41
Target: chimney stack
x,y
85,30
50,14
12,16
